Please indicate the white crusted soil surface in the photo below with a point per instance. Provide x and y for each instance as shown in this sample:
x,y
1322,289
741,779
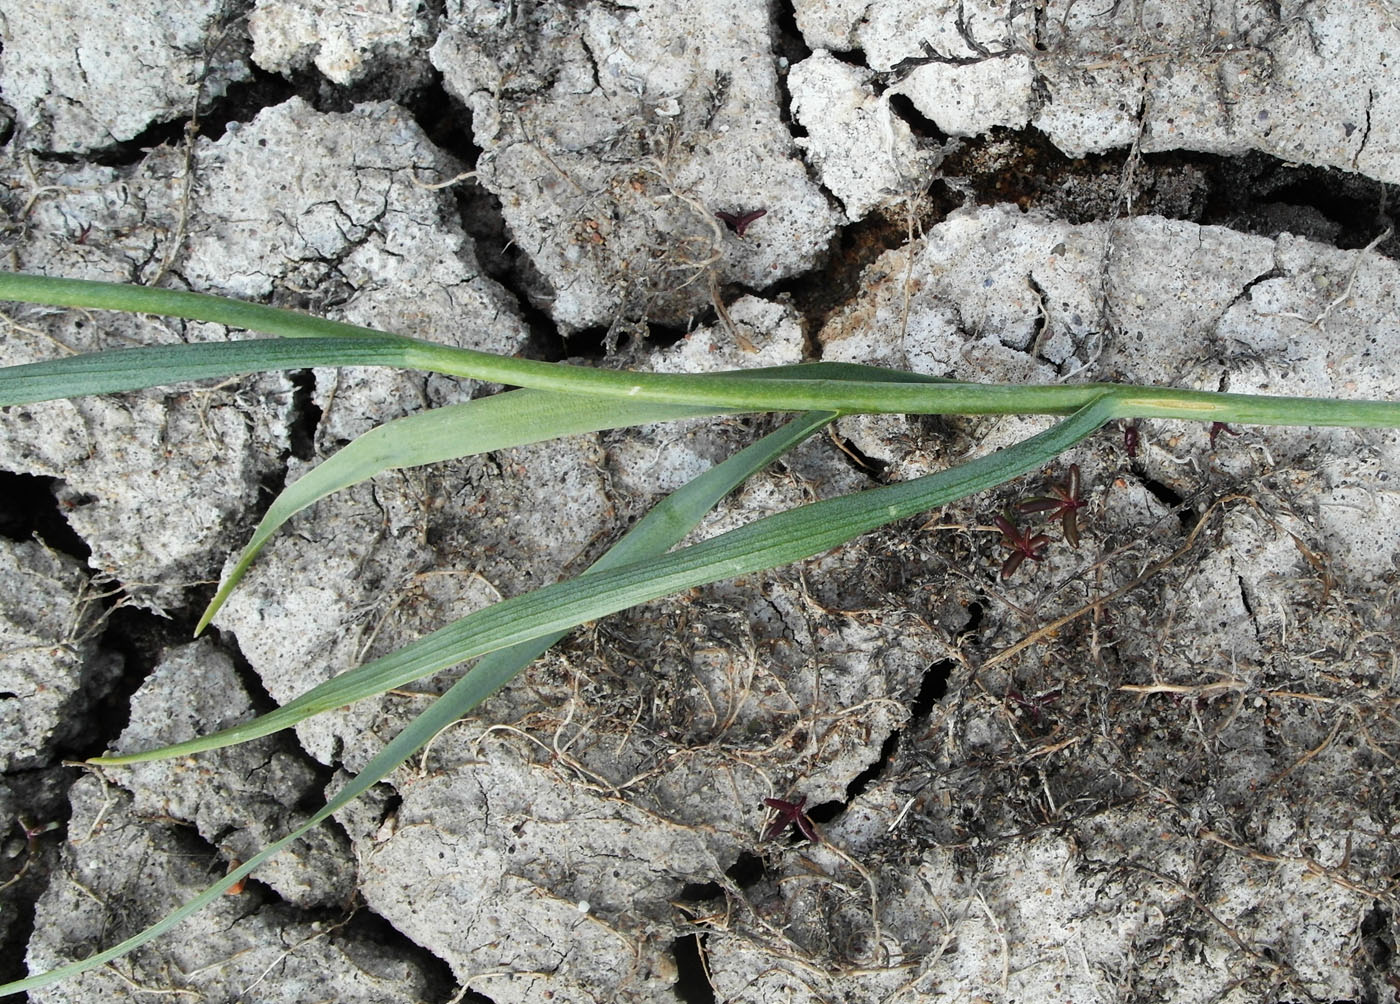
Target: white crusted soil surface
x,y
611,134
1156,766
1303,81
82,76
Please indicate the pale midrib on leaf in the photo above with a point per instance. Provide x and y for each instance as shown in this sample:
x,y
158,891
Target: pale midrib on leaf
x,y
766,543
514,418
736,390
662,527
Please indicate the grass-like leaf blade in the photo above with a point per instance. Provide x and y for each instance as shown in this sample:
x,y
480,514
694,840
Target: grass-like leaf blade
x,y
765,543
510,419
457,430
118,370
737,391
662,527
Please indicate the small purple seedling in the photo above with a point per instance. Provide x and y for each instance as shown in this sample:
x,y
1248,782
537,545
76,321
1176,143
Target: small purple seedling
x,y
739,222
1130,438
1035,705
789,814
1063,507
1216,428
1023,545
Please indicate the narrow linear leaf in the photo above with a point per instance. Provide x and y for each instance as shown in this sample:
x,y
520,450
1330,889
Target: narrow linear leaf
x,y
119,370
736,391
480,426
849,388
130,369
763,544
458,430
510,419
436,717
92,294
662,527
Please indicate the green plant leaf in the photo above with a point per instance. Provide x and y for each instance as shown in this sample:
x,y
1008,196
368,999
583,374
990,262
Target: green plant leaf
x,y
118,370
457,430
510,631
478,426
765,543
737,391
662,527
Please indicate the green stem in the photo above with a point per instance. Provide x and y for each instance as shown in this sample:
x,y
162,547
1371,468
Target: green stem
x,y
737,391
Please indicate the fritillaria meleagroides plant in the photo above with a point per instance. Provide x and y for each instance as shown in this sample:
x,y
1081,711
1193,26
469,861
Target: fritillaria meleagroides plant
x,y
555,400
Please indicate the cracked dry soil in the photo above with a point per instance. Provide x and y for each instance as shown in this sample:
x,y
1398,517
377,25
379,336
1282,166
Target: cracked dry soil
x,y
1158,766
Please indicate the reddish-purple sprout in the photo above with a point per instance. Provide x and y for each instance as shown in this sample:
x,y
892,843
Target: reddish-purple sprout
x,y
739,222
1130,438
1033,704
1063,507
1216,428
1023,545
789,814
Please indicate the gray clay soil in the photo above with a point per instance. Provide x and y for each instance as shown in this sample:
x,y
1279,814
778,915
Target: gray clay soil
x,y
1158,767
